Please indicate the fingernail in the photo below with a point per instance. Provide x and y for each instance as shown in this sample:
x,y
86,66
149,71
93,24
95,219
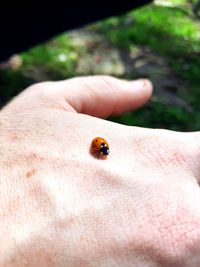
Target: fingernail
x,y
142,84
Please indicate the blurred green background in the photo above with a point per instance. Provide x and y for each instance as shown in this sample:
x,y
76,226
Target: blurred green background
x,y
160,41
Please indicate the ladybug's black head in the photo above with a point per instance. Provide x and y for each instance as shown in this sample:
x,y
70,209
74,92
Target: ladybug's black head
x,y
104,150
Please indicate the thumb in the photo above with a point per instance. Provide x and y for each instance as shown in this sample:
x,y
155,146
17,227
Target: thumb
x,y
102,96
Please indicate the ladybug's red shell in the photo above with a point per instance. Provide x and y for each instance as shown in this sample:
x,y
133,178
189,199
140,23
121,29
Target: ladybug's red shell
x,y
100,146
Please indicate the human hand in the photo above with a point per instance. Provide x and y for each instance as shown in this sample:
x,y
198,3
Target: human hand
x,y
60,206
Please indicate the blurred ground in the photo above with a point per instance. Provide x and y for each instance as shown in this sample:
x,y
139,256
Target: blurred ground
x,y
100,57
159,41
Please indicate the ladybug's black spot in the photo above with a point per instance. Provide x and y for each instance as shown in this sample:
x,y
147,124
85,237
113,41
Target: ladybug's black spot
x,y
96,141
103,144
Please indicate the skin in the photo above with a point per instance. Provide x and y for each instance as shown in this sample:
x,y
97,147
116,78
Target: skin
x,y
60,206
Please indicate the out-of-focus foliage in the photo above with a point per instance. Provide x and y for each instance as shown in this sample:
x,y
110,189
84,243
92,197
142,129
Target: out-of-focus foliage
x,y
167,29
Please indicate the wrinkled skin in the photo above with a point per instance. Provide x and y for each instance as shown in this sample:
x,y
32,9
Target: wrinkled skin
x,y
61,206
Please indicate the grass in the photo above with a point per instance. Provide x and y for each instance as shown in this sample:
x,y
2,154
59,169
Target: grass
x,y
170,31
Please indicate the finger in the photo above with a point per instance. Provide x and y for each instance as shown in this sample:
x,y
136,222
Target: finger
x,y
102,96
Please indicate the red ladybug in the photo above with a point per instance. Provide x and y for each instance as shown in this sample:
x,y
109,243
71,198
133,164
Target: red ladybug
x,y
100,146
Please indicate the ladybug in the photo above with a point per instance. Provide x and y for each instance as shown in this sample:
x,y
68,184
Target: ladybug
x,y
100,146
